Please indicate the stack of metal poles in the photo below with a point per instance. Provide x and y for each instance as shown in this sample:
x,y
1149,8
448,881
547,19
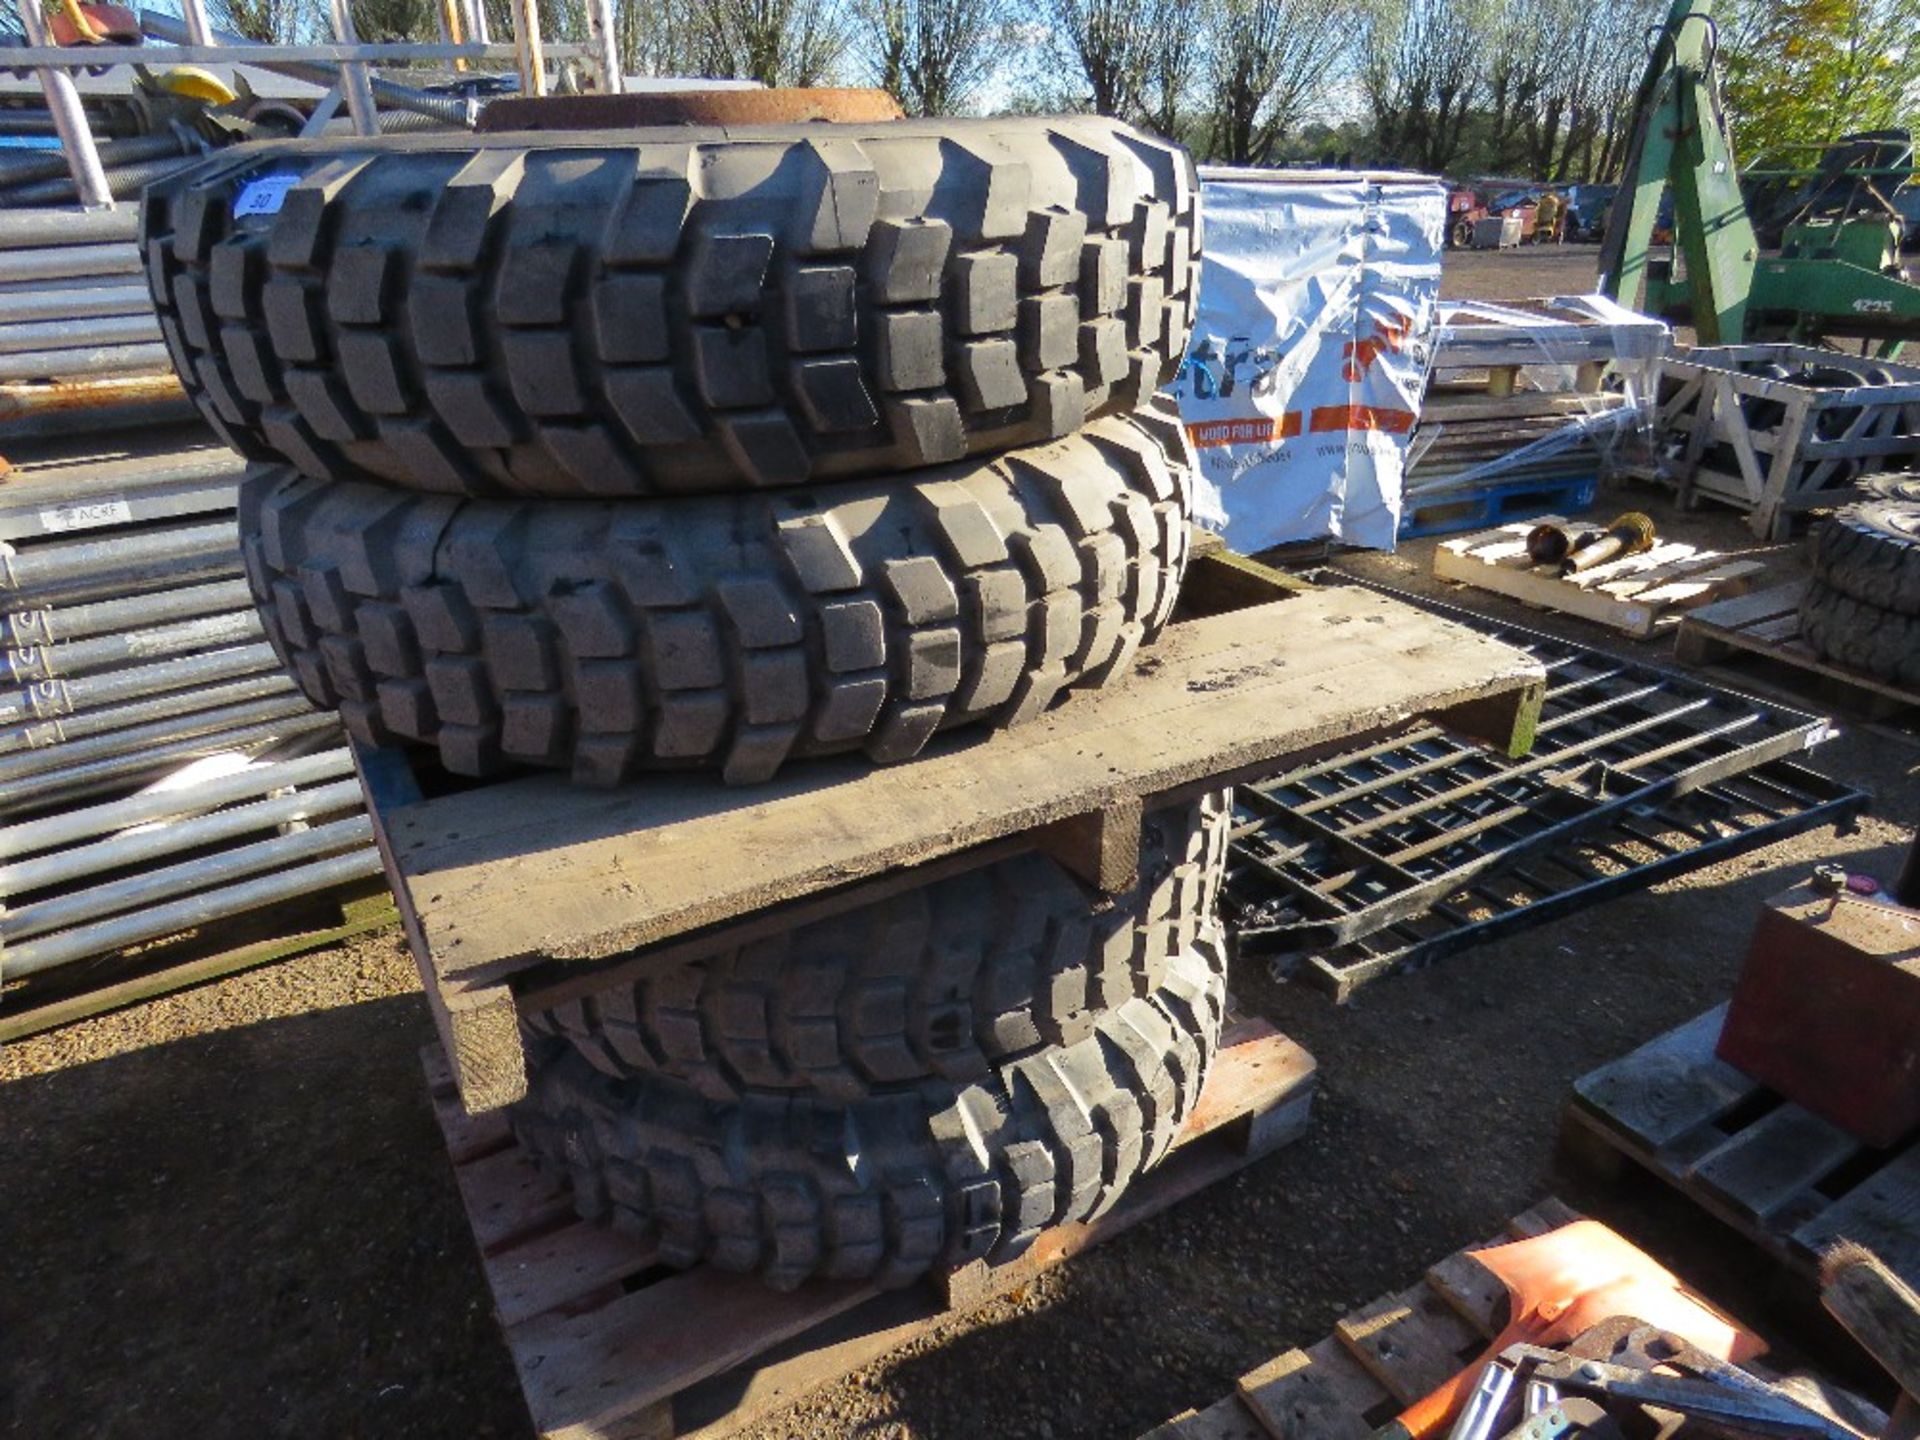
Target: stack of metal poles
x,y
73,305
158,769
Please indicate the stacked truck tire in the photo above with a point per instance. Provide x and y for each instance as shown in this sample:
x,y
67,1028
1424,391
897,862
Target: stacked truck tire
x,y
623,451
1862,606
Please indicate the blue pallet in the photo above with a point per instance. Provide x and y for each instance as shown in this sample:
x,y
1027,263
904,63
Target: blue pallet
x,y
1485,506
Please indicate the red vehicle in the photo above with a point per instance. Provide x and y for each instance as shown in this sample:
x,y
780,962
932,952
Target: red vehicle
x,y
1477,199
1465,205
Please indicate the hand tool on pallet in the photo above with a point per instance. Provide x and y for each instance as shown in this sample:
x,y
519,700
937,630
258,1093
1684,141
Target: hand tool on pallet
x,y
1559,1286
1549,544
1757,1412
1629,534
1613,1372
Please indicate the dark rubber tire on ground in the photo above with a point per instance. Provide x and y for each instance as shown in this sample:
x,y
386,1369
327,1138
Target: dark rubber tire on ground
x,y
614,637
886,1188
1859,636
621,313
944,981
1871,549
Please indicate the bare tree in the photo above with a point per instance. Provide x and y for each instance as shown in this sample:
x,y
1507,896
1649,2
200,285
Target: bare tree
x,y
273,22
1421,71
1113,43
933,55
1267,61
395,21
1177,44
777,42
658,39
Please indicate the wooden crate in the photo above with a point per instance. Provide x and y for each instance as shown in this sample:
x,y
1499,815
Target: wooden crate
x,y
1779,1174
525,894
1711,396
1765,627
1636,595
609,1344
1378,1361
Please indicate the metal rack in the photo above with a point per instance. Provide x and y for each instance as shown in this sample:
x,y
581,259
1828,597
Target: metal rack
x,y
163,784
1639,847
1385,835
346,61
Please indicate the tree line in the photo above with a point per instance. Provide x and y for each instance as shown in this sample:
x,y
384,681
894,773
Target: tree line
x,y
1535,88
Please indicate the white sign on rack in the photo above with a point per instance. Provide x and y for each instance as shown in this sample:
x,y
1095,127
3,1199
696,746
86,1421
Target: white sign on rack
x,y
1310,350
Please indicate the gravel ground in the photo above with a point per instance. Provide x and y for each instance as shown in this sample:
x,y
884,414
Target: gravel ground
x,y
228,1213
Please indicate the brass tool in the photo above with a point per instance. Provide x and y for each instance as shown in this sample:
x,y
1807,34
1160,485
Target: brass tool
x,y
1629,534
1550,544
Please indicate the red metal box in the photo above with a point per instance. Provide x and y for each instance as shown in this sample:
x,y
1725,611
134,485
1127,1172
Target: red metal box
x,y
1827,1011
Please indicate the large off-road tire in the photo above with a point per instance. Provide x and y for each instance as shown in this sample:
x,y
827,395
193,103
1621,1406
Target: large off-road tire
x,y
1871,549
613,637
645,312
1850,632
945,981
794,1186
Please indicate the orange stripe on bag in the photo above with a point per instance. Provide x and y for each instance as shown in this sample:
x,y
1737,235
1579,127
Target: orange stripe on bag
x,y
1361,417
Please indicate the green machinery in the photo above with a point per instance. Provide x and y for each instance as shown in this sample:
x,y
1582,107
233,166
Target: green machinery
x,y
1837,275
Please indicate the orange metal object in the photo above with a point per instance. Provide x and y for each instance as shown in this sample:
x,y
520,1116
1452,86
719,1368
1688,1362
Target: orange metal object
x,y
93,24
20,402
1566,1282
792,106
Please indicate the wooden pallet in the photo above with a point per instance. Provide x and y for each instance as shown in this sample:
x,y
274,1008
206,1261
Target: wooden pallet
x,y
195,958
1786,1179
1447,510
609,1344
1378,1361
528,893
1636,595
1766,625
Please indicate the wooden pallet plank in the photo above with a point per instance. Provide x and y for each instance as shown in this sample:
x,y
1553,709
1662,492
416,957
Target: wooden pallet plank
x,y
1770,1163
468,1137
1766,624
1409,1342
1667,1087
550,1271
1261,1079
1475,1292
1881,1213
1317,1394
1550,1214
1550,592
507,1198
1226,1419
1688,591
584,1373
492,875
1736,614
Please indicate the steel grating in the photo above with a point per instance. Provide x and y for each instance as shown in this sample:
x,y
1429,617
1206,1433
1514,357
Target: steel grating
x,y
1636,848
1332,852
